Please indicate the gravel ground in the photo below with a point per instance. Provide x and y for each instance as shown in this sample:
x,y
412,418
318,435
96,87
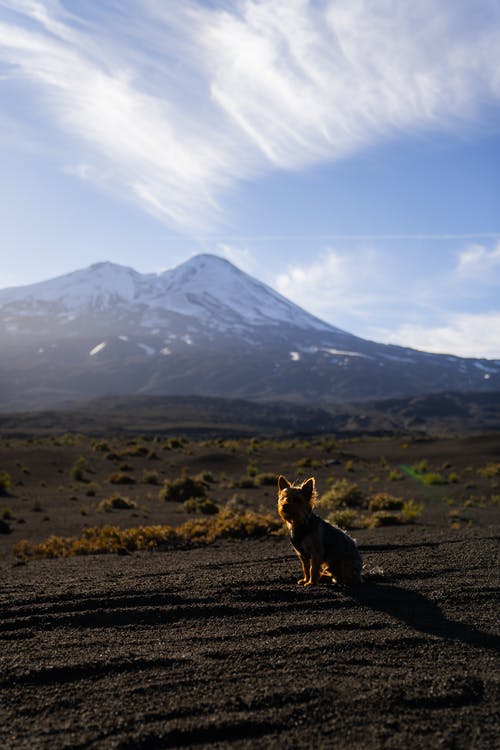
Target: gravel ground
x,y
218,647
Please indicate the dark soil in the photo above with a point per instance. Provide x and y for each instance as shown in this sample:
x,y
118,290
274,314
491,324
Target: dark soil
x,y
218,646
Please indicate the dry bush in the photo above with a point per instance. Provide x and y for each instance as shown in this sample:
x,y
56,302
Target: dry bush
x,y
490,470
341,493
175,443
117,502
408,512
100,445
205,476
346,518
266,478
395,475
110,539
384,501
120,477
134,451
150,477
181,489
244,483
5,483
206,506
238,503
432,477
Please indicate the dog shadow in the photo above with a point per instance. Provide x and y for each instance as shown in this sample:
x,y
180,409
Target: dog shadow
x,y
422,614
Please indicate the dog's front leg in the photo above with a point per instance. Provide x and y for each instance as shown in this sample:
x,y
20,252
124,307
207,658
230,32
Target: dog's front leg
x,y
314,572
305,570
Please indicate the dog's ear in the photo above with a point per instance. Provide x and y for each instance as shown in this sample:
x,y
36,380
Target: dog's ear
x,y
283,483
308,488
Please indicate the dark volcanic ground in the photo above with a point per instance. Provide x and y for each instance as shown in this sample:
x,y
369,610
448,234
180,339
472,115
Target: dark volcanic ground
x,y
218,647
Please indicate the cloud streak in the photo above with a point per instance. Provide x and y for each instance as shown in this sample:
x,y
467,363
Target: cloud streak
x,y
362,292
176,103
478,263
464,334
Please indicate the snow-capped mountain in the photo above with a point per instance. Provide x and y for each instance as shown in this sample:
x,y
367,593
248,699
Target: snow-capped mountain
x,y
208,289
202,328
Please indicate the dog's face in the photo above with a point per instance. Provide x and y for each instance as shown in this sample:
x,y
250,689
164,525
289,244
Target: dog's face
x,y
295,503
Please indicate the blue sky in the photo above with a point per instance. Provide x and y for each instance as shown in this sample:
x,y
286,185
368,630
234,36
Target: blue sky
x,y
346,152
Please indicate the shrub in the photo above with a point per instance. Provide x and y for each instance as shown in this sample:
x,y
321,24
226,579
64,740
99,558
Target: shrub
x,y
205,476
121,478
407,512
328,444
78,469
181,489
5,483
383,518
395,475
253,447
453,477
229,525
411,511
237,503
100,445
4,527
111,539
252,470
207,507
384,501
175,443
266,478
346,518
307,462
117,502
490,470
341,493
7,514
433,477
150,477
135,450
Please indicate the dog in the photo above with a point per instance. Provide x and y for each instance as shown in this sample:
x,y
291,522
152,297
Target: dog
x,y
325,551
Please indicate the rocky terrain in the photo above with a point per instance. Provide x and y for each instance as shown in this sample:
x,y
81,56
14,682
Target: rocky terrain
x,y
216,646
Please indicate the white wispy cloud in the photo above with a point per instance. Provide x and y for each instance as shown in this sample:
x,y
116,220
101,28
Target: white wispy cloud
x,y
176,102
364,291
465,335
479,263
337,284
241,257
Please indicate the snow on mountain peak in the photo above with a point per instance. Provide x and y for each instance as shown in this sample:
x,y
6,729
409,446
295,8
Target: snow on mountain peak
x,y
206,287
211,287
98,286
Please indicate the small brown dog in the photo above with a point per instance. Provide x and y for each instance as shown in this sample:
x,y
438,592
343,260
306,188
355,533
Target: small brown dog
x,y
324,550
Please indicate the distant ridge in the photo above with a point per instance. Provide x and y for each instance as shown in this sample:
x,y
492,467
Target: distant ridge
x,y
204,328
198,416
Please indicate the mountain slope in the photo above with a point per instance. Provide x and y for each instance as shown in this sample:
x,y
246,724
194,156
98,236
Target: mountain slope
x,y
203,328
